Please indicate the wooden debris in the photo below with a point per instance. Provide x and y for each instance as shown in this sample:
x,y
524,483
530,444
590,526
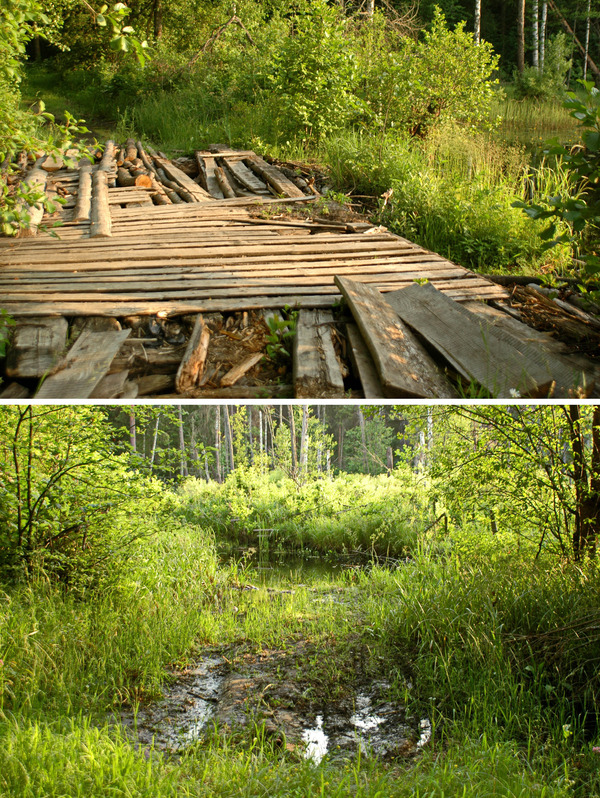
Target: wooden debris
x,y
404,366
363,365
85,365
238,371
35,182
15,391
477,350
173,173
37,346
317,372
111,386
224,184
155,384
193,363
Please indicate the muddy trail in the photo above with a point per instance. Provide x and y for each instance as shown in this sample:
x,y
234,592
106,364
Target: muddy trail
x,y
307,697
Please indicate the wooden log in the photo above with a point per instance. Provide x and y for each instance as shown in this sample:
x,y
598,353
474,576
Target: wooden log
x,y
108,163
317,372
143,156
15,391
224,183
131,150
192,366
155,383
37,346
274,177
172,186
474,348
100,220
158,194
238,371
138,359
36,183
176,174
363,364
85,365
404,366
52,163
236,392
124,177
83,205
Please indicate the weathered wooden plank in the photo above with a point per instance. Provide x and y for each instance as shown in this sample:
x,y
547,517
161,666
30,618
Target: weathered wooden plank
x,y
274,177
37,346
192,366
238,371
317,372
363,364
245,176
155,383
477,351
85,365
575,375
404,366
133,308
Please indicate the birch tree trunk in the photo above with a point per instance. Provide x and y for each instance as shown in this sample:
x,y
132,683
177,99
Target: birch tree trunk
x,y
304,441
536,34
370,8
543,34
477,30
293,441
218,444
363,439
155,438
250,436
587,40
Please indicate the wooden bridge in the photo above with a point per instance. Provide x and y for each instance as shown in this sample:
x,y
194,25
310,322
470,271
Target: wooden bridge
x,y
125,256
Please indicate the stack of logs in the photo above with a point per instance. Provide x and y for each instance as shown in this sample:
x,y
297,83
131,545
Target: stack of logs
x,y
218,173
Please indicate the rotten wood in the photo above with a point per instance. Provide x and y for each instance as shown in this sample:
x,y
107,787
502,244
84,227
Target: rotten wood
x,y
317,372
238,371
193,363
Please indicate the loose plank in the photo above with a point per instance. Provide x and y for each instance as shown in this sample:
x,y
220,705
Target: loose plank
x,y
363,364
472,346
404,367
37,346
85,365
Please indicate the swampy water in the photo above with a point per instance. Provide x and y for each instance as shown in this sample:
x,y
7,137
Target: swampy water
x,y
230,693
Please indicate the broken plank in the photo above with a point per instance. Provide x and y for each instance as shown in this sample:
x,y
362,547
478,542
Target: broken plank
x,y
15,391
85,365
245,176
363,364
404,366
193,363
186,182
471,345
317,372
37,346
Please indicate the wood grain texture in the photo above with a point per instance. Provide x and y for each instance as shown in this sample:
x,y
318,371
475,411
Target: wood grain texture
x,y
317,372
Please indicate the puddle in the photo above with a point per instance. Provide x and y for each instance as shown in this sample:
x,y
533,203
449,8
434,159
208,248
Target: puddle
x,y
316,741
187,706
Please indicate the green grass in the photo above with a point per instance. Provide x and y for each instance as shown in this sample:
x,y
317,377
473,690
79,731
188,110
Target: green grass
x,y
501,655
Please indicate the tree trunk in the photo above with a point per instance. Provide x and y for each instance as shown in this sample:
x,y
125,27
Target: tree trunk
x,y
536,34
370,8
193,446
250,437
229,438
543,34
304,441
340,445
132,435
157,19
183,468
587,40
477,29
521,35
155,438
390,459
218,444
587,483
363,440
293,440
